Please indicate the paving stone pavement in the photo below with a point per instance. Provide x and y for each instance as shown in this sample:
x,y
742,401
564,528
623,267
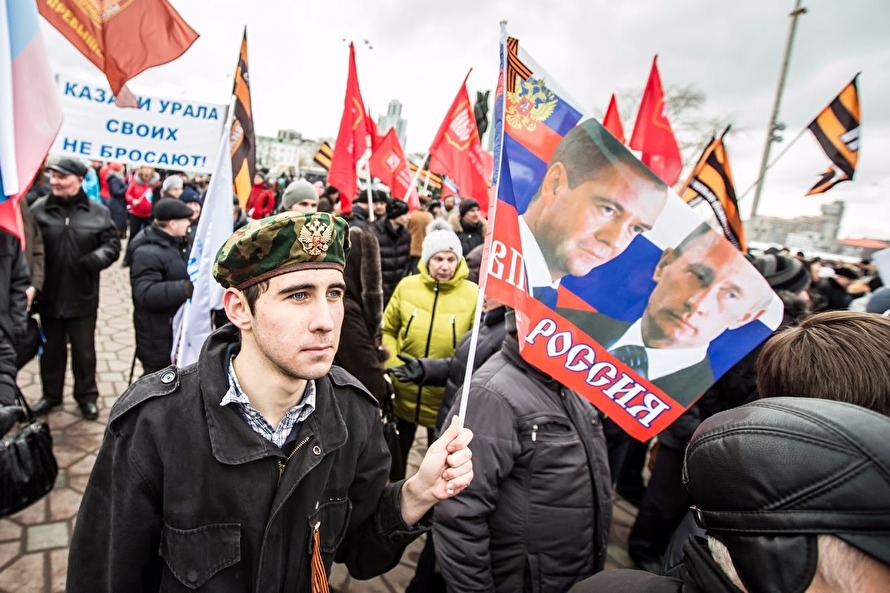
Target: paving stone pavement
x,y
34,542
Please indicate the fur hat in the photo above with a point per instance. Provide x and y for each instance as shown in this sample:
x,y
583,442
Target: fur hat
x,y
298,191
396,208
440,237
173,181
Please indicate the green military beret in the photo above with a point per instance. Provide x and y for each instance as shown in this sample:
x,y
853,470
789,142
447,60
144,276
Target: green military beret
x,y
279,244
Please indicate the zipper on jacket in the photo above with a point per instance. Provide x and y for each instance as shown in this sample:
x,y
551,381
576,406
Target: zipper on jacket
x,y
534,433
410,319
64,242
282,465
453,333
426,353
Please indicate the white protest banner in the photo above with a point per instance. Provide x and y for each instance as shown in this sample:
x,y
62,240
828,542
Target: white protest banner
x,y
164,133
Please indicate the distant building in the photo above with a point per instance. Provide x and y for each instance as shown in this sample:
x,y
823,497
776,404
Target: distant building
x,y
393,119
289,151
861,248
813,232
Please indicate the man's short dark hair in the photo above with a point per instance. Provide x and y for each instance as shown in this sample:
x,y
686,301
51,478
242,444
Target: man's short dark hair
x,y
253,292
589,148
838,355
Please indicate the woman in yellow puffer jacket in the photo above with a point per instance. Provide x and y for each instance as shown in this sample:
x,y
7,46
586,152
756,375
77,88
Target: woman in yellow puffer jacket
x,y
425,318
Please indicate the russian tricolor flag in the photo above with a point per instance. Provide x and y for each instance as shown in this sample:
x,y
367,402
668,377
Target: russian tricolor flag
x,y
30,114
537,113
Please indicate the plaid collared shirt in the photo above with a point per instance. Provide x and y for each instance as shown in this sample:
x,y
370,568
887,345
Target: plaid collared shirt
x,y
257,422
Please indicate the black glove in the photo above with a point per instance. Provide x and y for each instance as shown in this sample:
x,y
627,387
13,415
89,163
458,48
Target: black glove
x,y
188,288
9,415
410,372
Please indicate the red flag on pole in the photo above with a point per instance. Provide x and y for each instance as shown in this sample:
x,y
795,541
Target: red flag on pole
x,y
352,140
653,134
457,152
389,165
612,121
123,39
373,132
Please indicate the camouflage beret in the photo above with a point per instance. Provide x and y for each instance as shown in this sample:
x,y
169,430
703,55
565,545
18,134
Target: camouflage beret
x,y
279,244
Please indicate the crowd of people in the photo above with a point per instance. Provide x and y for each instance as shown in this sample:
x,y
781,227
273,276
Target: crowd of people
x,y
388,295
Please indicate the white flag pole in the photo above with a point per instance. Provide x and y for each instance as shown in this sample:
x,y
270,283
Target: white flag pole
x,y
483,270
417,176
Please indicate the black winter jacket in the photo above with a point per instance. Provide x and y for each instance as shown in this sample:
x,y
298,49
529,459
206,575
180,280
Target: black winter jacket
x,y
158,277
185,496
14,280
537,515
80,242
395,254
471,235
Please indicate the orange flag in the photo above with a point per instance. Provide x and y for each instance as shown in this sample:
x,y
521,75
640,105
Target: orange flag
x,y
457,152
389,165
122,39
653,134
241,135
612,121
352,140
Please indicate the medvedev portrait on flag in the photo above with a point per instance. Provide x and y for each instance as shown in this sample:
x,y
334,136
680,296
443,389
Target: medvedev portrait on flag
x,y
704,289
594,199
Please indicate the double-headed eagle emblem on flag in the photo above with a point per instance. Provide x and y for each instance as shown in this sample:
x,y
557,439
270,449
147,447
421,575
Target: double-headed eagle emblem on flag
x,y
533,103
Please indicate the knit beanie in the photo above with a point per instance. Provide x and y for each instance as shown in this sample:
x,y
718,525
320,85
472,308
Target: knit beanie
x,y
783,273
440,237
466,205
298,191
174,181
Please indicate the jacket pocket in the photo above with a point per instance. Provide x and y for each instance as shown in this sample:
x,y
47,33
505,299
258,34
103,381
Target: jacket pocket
x,y
196,555
331,519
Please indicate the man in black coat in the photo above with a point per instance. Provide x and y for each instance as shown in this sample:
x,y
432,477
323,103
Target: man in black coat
x,y
471,231
14,280
160,281
80,242
395,245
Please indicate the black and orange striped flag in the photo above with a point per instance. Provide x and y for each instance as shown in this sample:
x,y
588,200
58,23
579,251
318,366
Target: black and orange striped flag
x,y
837,130
241,135
711,181
426,177
323,155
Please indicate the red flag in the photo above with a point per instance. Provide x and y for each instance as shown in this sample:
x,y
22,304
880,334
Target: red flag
x,y
373,132
653,134
612,121
352,140
123,39
457,152
389,165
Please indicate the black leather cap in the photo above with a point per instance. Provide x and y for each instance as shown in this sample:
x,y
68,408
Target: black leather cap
x,y
69,167
170,209
767,477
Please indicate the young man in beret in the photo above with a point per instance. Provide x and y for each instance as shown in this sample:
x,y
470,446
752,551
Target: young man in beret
x,y
258,466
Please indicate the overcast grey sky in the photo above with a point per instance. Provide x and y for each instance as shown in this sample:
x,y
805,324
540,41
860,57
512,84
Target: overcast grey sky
x,y
421,51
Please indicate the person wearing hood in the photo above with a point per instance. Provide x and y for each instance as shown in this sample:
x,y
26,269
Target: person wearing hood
x,y
426,316
395,245
160,282
141,193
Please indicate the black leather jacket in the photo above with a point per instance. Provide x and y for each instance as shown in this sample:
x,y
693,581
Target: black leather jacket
x,y
79,241
185,495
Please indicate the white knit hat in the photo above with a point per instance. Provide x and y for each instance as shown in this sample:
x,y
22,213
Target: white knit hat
x,y
440,237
